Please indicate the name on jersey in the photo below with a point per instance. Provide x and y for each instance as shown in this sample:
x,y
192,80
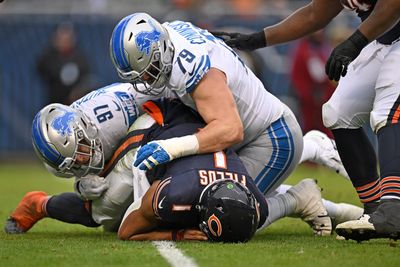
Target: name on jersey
x,y
129,106
209,176
191,33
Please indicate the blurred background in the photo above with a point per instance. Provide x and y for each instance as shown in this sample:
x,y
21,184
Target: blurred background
x,y
56,51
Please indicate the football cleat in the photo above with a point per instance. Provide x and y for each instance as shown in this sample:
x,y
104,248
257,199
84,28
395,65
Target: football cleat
x,y
29,211
310,207
359,230
346,212
383,223
327,153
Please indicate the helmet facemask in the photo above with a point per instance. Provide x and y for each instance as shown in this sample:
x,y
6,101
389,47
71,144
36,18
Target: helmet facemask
x,y
142,53
153,79
87,147
228,212
67,141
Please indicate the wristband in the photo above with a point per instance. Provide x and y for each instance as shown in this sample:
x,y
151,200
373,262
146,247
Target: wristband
x,y
181,146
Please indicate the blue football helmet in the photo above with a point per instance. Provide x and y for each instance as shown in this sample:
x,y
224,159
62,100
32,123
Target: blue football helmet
x,y
142,53
59,134
228,212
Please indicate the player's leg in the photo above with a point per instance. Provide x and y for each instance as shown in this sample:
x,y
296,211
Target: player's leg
x,y
346,112
34,206
385,221
109,209
274,154
301,200
304,200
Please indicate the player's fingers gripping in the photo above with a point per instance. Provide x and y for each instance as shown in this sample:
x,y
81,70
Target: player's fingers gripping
x,y
148,164
158,156
330,68
144,152
338,67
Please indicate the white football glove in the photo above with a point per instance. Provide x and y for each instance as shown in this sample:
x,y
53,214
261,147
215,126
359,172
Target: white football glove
x,y
91,186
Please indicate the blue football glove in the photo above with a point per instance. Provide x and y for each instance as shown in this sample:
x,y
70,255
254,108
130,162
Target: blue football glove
x,y
150,155
162,151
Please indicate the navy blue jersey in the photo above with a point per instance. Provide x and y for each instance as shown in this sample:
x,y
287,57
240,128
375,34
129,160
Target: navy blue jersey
x,y
183,180
391,35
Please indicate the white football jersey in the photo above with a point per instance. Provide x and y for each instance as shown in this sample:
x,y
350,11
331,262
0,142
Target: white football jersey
x,y
196,51
113,109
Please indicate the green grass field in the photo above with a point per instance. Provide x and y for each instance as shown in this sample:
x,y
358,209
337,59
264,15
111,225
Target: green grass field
x,y
289,242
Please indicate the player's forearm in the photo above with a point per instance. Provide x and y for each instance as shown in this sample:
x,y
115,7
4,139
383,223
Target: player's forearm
x,y
154,235
220,134
384,16
302,22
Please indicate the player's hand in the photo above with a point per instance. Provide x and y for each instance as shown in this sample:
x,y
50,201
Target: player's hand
x,y
91,186
194,234
242,41
162,151
344,54
151,155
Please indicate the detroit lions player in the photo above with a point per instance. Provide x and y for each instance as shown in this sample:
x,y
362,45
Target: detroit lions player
x,y
209,77
368,62
91,128
108,205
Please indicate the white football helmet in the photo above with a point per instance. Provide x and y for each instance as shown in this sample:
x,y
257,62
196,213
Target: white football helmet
x,y
61,133
142,53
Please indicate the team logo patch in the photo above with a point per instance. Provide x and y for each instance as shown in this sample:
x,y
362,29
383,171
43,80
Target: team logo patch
x,y
61,124
214,225
145,39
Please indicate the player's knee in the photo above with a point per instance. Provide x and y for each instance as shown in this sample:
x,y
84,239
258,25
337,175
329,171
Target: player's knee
x,y
330,116
334,117
377,121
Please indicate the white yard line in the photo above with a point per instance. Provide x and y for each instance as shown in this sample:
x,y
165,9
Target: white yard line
x,y
173,255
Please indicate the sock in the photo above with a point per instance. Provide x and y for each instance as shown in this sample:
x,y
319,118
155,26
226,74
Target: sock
x,y
279,206
70,208
359,159
389,161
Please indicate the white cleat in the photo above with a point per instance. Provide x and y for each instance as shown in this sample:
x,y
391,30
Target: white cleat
x,y
346,212
310,207
361,229
327,153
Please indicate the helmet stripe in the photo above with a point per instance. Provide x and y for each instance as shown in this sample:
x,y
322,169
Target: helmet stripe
x,y
117,44
42,146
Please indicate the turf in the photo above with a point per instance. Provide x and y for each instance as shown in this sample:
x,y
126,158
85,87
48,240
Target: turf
x,y
289,242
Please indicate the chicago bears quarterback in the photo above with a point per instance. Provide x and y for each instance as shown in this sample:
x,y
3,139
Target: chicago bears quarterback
x,y
368,90
209,77
110,196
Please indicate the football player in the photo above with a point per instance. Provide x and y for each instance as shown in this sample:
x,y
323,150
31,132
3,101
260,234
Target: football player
x,y
368,91
108,205
209,77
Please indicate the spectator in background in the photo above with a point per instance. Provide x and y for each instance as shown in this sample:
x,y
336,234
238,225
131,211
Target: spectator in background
x,y
309,81
63,67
